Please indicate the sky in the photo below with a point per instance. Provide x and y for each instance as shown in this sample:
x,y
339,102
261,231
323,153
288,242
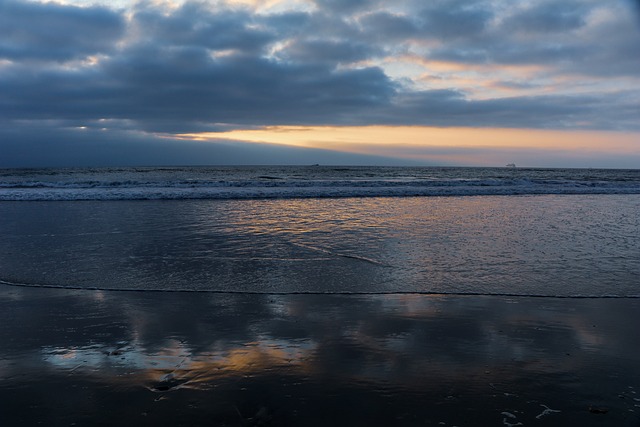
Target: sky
x,y
408,82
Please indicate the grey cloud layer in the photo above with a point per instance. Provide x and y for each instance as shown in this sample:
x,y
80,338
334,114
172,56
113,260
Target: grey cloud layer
x,y
197,68
213,66
52,32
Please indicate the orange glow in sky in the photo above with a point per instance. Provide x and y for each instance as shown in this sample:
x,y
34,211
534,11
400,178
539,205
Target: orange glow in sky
x,y
434,144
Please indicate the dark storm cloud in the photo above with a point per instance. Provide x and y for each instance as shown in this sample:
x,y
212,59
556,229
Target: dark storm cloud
x,y
203,68
54,32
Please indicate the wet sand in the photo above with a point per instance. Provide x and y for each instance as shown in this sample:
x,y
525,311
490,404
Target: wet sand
x,y
85,357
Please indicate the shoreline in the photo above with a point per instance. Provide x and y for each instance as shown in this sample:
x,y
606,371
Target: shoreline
x,y
92,357
312,293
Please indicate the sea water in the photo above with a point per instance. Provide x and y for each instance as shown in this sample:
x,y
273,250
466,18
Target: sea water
x,y
305,182
315,229
318,296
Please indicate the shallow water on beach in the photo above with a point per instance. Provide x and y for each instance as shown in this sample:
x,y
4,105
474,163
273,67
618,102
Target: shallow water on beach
x,y
347,311
82,357
548,245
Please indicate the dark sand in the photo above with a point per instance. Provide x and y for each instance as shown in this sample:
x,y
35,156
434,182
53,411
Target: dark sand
x,y
133,358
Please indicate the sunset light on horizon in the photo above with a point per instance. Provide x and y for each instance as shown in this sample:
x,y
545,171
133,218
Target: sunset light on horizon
x,y
445,146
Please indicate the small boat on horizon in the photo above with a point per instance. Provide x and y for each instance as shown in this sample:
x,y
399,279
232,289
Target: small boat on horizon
x,y
511,165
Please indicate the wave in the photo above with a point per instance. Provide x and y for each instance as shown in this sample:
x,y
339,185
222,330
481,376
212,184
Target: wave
x,y
301,182
300,189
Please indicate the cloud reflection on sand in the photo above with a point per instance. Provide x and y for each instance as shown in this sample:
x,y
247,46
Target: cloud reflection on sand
x,y
459,356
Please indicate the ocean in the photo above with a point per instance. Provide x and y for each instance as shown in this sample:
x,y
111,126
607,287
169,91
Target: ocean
x,y
286,296
318,229
250,182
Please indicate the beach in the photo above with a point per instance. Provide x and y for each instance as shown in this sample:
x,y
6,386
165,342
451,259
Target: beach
x,y
248,296
88,357
533,245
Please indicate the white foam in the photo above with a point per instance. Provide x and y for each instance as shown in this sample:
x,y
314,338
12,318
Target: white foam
x,y
547,411
300,182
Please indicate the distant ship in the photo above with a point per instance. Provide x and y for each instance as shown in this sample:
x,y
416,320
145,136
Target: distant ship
x,y
510,165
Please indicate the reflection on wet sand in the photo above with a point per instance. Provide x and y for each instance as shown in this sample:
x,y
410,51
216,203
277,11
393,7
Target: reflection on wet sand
x,y
215,359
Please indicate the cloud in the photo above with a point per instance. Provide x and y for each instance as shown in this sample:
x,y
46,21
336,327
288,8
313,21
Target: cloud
x,y
50,31
443,21
195,25
342,6
330,51
583,38
545,17
383,26
210,66
38,144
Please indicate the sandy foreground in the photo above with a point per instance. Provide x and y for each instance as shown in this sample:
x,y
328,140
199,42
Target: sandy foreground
x,y
87,357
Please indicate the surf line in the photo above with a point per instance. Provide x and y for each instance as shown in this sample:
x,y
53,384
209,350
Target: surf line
x,y
341,293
